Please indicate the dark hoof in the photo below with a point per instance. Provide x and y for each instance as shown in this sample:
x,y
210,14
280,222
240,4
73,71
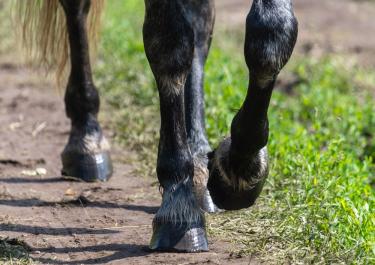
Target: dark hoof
x,y
90,168
235,188
228,198
179,237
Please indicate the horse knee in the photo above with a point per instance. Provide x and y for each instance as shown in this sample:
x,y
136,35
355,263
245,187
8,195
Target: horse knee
x,y
169,45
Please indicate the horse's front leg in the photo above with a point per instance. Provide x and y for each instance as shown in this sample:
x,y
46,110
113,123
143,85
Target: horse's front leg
x,y
86,156
239,166
169,44
201,16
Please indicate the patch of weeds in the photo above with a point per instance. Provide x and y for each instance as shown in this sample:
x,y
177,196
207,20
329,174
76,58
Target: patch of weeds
x,y
14,251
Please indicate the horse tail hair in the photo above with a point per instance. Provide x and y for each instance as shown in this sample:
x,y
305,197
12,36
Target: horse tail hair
x,y
44,33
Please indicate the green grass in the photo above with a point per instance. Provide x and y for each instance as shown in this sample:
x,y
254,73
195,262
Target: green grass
x,y
318,204
13,252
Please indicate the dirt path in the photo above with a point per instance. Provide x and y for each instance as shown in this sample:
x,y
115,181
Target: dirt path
x,y
69,222
78,223
342,27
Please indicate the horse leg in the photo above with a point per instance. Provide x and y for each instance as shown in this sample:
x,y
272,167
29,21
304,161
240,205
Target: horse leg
x,y
201,14
239,166
169,44
86,156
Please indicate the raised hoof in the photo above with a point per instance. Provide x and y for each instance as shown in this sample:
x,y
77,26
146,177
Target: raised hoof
x,y
86,167
179,237
233,188
228,198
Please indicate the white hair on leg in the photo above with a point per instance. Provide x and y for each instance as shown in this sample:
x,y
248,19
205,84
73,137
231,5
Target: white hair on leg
x,y
89,144
172,85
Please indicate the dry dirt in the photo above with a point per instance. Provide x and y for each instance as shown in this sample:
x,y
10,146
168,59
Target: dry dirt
x,y
78,223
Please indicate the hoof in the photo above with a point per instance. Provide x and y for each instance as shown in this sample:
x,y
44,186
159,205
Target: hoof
x,y
227,197
179,224
179,237
206,203
86,167
235,188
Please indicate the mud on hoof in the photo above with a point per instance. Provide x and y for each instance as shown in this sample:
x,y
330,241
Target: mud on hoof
x,y
200,185
87,157
179,225
234,187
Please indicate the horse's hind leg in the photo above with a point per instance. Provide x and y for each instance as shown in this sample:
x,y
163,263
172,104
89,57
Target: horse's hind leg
x,y
201,14
239,166
86,155
169,44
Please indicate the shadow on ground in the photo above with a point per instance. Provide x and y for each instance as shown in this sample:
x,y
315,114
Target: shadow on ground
x,y
121,252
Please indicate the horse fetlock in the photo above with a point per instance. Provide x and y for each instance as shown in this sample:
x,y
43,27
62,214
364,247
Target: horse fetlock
x,y
179,204
82,103
87,154
87,138
179,224
236,182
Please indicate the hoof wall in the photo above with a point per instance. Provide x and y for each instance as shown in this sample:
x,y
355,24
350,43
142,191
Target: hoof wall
x,y
228,198
89,168
179,238
206,203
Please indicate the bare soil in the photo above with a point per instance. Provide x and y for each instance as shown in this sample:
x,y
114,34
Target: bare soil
x,y
67,222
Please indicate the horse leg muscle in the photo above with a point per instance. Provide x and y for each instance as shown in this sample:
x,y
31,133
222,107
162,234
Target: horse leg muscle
x,y
169,44
86,155
239,166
